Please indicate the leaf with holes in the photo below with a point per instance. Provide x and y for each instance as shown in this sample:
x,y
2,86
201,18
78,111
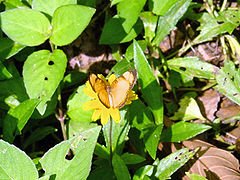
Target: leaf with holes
x,y
54,162
42,73
192,67
228,81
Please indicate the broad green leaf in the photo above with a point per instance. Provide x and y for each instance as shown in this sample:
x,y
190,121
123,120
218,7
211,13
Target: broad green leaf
x,y
192,67
182,131
128,12
48,7
101,151
160,7
38,135
119,168
130,50
75,127
11,4
75,103
164,168
25,26
119,133
168,22
113,32
143,172
150,24
228,79
8,48
122,66
16,119
90,3
229,16
195,176
42,73
151,137
12,93
54,161
152,92
130,158
74,78
188,110
15,164
68,23
113,2
4,73
102,171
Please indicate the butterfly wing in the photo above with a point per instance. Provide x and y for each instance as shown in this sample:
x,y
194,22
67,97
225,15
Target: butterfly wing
x,y
120,87
100,87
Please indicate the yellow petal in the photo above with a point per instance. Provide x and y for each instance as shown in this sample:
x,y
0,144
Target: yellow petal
x,y
93,104
89,91
102,78
96,115
111,78
105,116
114,112
131,96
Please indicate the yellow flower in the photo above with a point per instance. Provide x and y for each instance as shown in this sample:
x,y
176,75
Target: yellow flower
x,y
100,110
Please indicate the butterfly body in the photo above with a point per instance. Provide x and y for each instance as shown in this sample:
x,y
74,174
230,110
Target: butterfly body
x,y
114,94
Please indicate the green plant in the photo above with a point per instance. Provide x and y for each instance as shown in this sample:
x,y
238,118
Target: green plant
x,y
34,77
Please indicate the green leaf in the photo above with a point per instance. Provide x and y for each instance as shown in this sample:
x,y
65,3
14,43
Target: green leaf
x,y
160,7
150,24
168,165
25,26
101,151
11,4
119,168
130,158
168,22
12,93
16,119
128,12
188,110
192,67
54,162
4,73
113,32
151,137
76,127
152,92
113,2
122,66
38,135
130,50
143,173
75,103
182,131
74,78
234,44
15,164
195,176
42,73
8,48
119,133
68,23
228,79
48,7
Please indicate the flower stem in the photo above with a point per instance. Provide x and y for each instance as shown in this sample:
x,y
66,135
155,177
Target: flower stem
x,y
110,140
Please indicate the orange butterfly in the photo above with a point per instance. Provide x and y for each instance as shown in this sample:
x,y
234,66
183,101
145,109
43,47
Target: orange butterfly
x,y
115,94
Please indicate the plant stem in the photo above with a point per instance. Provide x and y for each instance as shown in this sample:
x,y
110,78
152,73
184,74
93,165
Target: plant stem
x,y
110,140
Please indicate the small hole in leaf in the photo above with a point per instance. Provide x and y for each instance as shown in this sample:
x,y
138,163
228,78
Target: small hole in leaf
x,y
235,94
201,68
84,139
38,97
183,68
232,78
50,63
69,155
224,81
45,78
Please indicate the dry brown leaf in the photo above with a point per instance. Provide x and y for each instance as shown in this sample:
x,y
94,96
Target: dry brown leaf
x,y
209,103
210,162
